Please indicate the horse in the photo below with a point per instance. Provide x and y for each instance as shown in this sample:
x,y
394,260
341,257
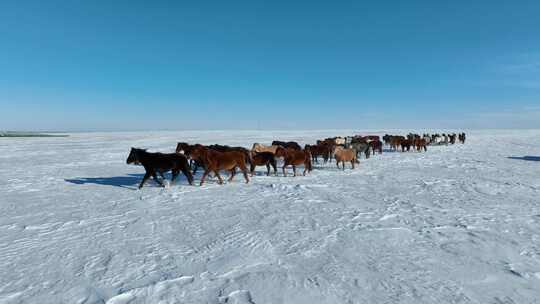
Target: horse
x,y
262,148
185,148
387,139
339,141
294,158
462,138
395,142
290,144
342,155
323,150
334,141
376,145
420,143
452,138
373,138
215,161
360,147
406,145
263,159
223,148
160,163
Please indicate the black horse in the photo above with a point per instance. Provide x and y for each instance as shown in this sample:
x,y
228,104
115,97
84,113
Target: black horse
x,y
290,144
263,159
160,163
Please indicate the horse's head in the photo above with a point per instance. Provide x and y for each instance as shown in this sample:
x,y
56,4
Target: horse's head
x,y
133,157
181,146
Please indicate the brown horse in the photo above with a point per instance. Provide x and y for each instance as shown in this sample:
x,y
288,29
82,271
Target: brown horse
x,y
263,159
376,145
294,158
215,161
395,142
406,145
160,163
185,148
324,150
345,155
420,143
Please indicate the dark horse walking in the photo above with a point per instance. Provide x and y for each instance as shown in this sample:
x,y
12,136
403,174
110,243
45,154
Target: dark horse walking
x,y
160,163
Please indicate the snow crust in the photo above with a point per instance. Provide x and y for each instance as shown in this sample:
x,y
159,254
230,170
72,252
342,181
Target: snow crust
x,y
458,224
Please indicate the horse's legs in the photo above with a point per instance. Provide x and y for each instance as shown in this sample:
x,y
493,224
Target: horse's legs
x,y
154,175
267,169
206,171
294,169
244,170
352,163
174,175
187,172
274,165
145,178
196,166
284,172
216,172
232,174
252,169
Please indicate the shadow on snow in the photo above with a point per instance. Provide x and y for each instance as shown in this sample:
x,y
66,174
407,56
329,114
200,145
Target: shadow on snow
x,y
130,181
529,158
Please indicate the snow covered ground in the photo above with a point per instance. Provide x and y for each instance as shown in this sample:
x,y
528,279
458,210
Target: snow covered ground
x,y
458,224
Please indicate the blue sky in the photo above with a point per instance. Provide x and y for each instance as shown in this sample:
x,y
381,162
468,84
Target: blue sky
x,y
138,65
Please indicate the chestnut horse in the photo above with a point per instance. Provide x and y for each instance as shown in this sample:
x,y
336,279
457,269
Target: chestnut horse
x,y
263,159
395,142
294,158
160,163
420,143
215,161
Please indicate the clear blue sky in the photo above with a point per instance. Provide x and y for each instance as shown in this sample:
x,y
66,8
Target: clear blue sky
x,y
132,65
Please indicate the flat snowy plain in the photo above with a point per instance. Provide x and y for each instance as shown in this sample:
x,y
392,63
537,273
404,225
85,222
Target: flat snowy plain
x,y
458,224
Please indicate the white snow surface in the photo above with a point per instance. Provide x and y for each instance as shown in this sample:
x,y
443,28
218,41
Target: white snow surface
x,y
458,224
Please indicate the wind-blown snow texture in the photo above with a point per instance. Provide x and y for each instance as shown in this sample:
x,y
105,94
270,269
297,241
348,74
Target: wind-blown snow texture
x,y
458,224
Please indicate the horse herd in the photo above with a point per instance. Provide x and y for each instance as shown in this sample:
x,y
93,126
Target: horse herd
x,y
216,158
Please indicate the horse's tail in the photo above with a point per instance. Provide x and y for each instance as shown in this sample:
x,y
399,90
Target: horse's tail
x,y
309,164
248,156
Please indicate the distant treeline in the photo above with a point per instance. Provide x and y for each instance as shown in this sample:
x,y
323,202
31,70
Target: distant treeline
x,y
28,134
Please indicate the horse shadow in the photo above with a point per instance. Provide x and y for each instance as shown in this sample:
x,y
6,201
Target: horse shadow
x,y
129,181
528,157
